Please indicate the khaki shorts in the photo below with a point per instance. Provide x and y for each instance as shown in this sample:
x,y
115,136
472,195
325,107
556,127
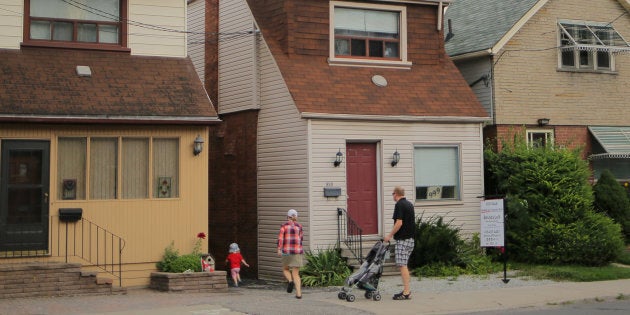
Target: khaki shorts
x,y
292,260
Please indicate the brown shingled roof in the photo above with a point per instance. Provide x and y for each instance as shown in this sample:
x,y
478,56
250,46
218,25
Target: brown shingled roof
x,y
297,34
43,83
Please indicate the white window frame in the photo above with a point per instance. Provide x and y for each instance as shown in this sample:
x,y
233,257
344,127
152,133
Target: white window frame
x,y
589,46
348,61
458,189
531,133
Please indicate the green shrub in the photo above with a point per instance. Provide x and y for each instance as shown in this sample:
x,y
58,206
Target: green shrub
x,y
612,199
549,210
324,268
186,262
436,241
170,255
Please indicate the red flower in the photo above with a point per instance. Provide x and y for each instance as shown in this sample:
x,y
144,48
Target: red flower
x,y
201,235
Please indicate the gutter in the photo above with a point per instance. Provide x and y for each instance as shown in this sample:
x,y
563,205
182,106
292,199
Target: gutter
x,y
438,119
474,54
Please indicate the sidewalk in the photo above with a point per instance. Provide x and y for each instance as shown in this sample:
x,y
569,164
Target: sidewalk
x,y
273,299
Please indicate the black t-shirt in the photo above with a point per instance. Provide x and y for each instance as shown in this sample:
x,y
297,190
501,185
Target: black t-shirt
x,y
403,210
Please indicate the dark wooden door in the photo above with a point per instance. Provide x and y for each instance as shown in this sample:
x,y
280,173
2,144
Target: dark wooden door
x,y
24,195
362,186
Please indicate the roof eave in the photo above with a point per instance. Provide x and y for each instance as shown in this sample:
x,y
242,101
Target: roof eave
x,y
472,55
110,119
405,118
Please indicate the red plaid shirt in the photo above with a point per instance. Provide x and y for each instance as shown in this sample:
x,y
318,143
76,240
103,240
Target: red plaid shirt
x,y
290,238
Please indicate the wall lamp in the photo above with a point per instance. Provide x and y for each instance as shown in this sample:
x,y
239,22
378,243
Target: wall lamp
x,y
338,158
395,158
543,121
198,145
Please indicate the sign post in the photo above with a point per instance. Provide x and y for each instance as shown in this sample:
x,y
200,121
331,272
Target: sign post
x,y
493,228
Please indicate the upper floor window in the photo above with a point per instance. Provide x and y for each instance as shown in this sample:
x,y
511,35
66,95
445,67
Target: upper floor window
x,y
589,46
368,33
80,23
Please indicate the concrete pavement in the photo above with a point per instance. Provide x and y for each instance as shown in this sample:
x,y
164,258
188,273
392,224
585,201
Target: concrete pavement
x,y
272,298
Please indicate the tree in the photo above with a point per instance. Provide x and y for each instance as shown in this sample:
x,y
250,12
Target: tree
x,y
611,199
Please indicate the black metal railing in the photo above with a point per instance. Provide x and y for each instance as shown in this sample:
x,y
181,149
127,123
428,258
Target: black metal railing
x,y
89,242
349,233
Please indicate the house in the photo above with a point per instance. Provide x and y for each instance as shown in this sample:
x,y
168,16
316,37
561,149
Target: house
x,y
328,105
102,128
555,70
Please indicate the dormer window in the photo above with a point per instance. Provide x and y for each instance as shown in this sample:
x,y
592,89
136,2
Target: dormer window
x,y
75,23
589,46
370,34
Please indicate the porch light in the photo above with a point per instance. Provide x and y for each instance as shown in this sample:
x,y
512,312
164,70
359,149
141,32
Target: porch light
x,y
395,158
338,158
198,145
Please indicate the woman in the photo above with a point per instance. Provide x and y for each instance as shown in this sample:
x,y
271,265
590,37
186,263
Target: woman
x,y
291,250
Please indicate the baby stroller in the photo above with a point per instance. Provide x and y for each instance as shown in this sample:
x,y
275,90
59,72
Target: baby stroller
x,y
368,275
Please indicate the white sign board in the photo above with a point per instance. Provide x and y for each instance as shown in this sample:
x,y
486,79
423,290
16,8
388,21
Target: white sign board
x,y
492,227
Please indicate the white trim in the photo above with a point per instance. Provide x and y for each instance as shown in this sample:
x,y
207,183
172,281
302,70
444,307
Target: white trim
x,y
308,115
474,54
111,118
517,26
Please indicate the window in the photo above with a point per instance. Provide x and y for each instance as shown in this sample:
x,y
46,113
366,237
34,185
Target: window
x,y
368,33
86,23
99,170
437,172
539,138
589,46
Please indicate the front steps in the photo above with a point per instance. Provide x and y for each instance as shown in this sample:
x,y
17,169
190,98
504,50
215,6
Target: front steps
x,y
52,279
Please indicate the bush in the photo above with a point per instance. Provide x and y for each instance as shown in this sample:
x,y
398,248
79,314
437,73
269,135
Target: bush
x,y
436,241
324,268
170,255
549,210
186,262
612,199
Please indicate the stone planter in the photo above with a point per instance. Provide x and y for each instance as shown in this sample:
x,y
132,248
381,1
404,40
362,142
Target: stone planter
x,y
215,281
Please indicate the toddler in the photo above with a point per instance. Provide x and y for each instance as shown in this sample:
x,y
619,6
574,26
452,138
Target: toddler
x,y
234,258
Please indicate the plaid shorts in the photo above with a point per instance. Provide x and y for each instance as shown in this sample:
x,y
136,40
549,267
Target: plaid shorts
x,y
403,251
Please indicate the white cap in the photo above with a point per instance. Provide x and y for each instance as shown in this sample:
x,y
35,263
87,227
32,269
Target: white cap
x,y
234,248
292,213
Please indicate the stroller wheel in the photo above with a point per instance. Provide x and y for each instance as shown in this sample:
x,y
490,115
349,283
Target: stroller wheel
x,y
377,297
341,295
350,298
368,294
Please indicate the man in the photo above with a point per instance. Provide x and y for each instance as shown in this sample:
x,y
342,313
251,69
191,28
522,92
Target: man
x,y
403,232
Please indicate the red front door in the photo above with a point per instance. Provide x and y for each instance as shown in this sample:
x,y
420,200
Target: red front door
x,y
362,189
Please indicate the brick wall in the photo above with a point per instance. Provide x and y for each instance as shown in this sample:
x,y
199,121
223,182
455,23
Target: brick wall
x,y
193,282
51,279
232,198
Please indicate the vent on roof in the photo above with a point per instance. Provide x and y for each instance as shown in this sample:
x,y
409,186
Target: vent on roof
x,y
84,71
379,80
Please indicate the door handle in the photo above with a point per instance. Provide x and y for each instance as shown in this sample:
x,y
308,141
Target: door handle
x,y
46,197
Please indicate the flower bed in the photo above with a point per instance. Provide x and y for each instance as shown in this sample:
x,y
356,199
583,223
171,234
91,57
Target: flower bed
x,y
215,281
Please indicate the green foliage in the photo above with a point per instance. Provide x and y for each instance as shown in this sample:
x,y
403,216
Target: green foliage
x,y
324,268
572,272
436,241
612,199
173,262
186,262
549,206
170,255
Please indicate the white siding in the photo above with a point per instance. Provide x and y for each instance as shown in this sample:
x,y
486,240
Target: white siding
x,y
157,28
11,23
237,58
282,165
329,136
196,38
472,70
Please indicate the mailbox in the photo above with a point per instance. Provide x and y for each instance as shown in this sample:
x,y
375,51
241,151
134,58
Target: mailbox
x,y
70,214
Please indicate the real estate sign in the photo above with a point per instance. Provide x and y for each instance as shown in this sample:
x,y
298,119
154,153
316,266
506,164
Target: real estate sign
x,y
492,223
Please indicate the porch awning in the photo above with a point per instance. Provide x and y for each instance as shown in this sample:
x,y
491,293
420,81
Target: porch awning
x,y
592,37
614,140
